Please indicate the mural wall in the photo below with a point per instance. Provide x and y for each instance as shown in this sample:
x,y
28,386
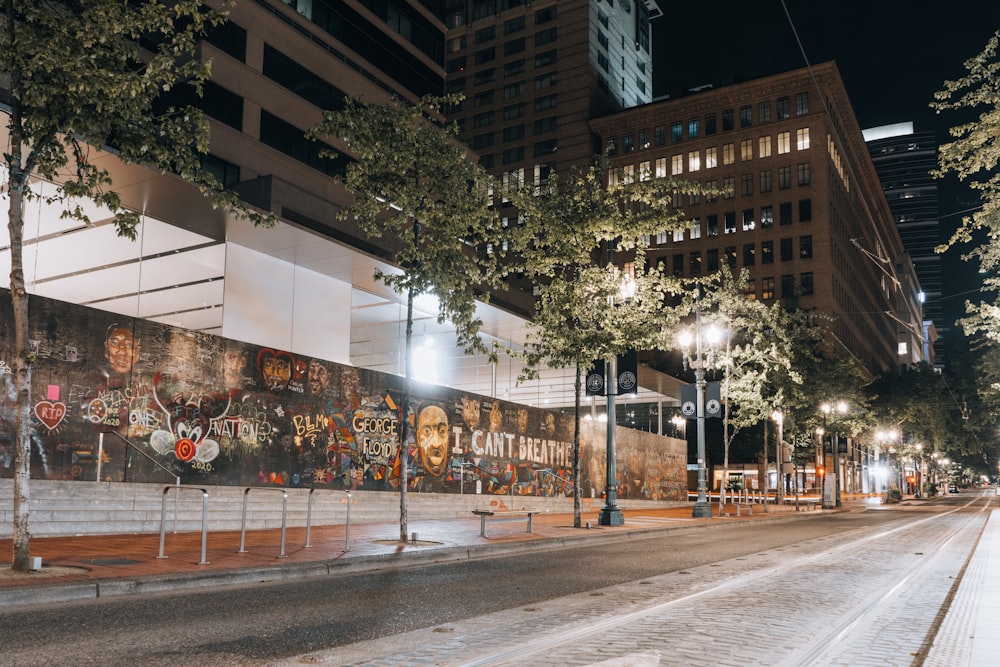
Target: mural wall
x,y
217,411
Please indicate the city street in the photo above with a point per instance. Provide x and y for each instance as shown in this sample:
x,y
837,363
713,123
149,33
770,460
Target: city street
x,y
860,587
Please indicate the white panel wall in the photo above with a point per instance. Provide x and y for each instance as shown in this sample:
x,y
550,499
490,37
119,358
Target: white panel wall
x,y
271,302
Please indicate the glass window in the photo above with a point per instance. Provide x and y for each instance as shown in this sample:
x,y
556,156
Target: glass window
x,y
710,124
730,252
782,108
486,35
678,236
513,25
484,76
694,161
546,58
802,138
676,132
661,167
805,210
712,225
455,65
784,143
785,213
804,174
513,90
514,67
693,128
545,102
767,216
660,135
749,254
712,184
712,260
679,264
764,146
545,36
515,154
643,139
694,260
482,99
746,116
729,220
746,149
513,133
750,289
695,232
482,119
545,15
484,56
746,184
676,165
482,140
767,288
765,180
748,221
727,120
545,81
711,157
728,153
628,144
787,286
805,247
728,184
786,249
767,252
801,103
764,112
806,283
514,111
784,178
513,46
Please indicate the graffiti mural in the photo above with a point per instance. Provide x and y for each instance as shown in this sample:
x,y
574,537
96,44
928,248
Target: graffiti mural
x,y
143,402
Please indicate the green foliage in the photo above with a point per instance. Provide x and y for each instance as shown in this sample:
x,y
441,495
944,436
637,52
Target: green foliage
x,y
415,188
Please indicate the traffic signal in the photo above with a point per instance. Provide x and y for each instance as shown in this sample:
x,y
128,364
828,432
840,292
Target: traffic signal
x,y
821,471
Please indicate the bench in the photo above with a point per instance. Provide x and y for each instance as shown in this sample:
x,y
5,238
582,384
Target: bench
x,y
728,509
502,515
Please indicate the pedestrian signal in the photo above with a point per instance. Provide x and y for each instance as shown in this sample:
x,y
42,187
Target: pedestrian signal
x,y
821,471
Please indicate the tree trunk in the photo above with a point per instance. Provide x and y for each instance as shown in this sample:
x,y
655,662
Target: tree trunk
x,y
21,365
576,450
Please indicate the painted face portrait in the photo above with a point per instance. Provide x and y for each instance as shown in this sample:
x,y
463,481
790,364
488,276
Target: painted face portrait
x,y
432,439
122,348
318,378
275,369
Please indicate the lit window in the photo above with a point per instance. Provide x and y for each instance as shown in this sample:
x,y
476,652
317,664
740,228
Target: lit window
x,y
661,167
696,228
711,157
694,161
728,153
764,147
784,142
746,150
802,138
676,165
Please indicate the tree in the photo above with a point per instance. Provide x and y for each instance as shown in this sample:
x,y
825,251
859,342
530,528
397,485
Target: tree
x,y
973,157
82,77
415,187
569,234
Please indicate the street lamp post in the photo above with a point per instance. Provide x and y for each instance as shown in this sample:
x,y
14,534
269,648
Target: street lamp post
x,y
701,509
779,458
831,472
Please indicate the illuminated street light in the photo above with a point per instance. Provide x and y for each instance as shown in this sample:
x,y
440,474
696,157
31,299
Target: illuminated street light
x,y
831,473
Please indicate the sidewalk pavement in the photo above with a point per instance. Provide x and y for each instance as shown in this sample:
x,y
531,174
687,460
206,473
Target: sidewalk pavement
x,y
99,566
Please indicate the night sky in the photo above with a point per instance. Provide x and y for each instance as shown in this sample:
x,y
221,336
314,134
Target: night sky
x,y
892,55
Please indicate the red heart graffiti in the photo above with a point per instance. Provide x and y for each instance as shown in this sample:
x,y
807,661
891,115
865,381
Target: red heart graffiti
x,y
50,414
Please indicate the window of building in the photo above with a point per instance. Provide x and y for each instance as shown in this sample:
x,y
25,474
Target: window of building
x,y
545,81
513,46
543,125
765,180
483,99
767,216
712,260
730,252
486,161
678,268
764,146
603,62
545,102
513,133
695,232
806,283
612,145
545,15
786,249
767,252
694,161
805,175
643,139
546,36
676,132
729,186
729,222
711,196
484,76
628,142
456,85
784,178
660,135
728,154
644,173
746,116
802,138
711,157
546,58
693,126
710,124
481,120
727,120
787,286
661,238
767,288
602,39
602,17
514,111
749,254
782,108
784,143
748,220
676,165
695,199
785,213
712,225
486,35
678,236
628,174
764,112
805,210
513,25
746,184
750,289
806,246
512,90
455,65
485,56
746,149
515,154
482,140
801,103
661,167
514,67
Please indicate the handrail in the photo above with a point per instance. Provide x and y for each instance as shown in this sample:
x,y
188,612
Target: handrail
x,y
204,519
284,515
136,448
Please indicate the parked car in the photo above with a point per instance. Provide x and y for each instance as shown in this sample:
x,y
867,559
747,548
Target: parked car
x,y
952,489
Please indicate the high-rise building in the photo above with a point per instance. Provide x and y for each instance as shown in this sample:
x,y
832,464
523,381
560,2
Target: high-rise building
x,y
904,160
804,214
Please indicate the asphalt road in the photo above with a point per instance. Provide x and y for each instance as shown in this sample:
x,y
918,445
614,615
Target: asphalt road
x,y
260,624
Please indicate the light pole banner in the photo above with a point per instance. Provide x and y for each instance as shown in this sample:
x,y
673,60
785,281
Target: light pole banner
x,y
713,399
595,379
